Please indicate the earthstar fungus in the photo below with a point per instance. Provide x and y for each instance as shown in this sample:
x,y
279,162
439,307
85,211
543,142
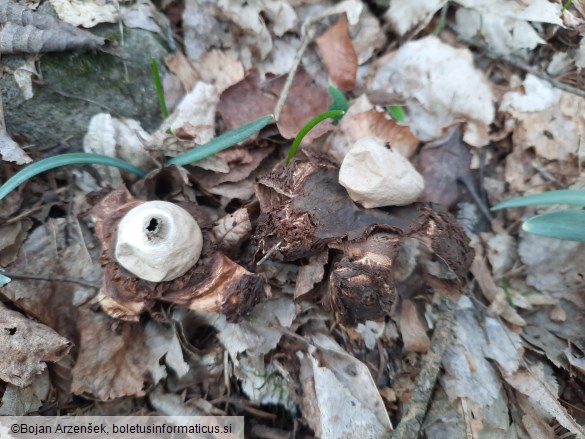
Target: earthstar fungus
x,y
204,279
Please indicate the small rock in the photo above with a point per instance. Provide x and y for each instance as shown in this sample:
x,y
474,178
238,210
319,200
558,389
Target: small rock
x,y
376,176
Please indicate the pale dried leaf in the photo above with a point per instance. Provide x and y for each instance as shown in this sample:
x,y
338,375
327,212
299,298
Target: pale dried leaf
x,y
347,399
406,14
101,139
23,77
25,346
367,36
232,228
441,87
10,151
86,13
197,109
536,427
18,401
163,343
541,391
560,276
470,371
546,119
144,15
255,335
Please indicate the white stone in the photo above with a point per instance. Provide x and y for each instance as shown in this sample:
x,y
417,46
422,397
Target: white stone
x,y
158,241
376,176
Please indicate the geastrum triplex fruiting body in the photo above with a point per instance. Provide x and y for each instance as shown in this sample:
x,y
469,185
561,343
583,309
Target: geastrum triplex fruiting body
x,y
178,261
306,212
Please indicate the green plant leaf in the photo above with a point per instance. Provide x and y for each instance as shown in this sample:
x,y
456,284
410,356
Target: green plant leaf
x,y
4,280
397,112
221,142
566,5
572,197
308,127
563,224
74,158
339,102
159,89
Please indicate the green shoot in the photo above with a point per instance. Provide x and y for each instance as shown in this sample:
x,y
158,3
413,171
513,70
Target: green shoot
x,y
339,102
75,158
572,197
159,89
396,112
308,127
566,5
221,142
80,158
506,286
563,224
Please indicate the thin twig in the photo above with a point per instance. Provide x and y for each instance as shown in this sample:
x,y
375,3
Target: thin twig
x,y
411,423
267,255
471,190
521,65
306,39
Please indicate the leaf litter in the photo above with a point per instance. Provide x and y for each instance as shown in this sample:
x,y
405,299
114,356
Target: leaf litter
x,y
306,306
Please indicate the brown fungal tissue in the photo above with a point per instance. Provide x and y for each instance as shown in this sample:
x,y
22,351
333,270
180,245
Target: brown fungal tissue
x,y
215,283
305,212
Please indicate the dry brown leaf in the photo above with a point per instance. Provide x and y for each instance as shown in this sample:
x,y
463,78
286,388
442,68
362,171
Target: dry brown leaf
x,y
110,363
221,69
339,55
183,69
25,346
310,274
251,98
242,163
11,238
363,120
414,333
440,164
232,228
45,254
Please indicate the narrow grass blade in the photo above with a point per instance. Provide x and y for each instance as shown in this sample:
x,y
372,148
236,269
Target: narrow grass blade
x,y
339,102
308,127
4,280
572,197
75,158
563,224
397,112
159,89
221,142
